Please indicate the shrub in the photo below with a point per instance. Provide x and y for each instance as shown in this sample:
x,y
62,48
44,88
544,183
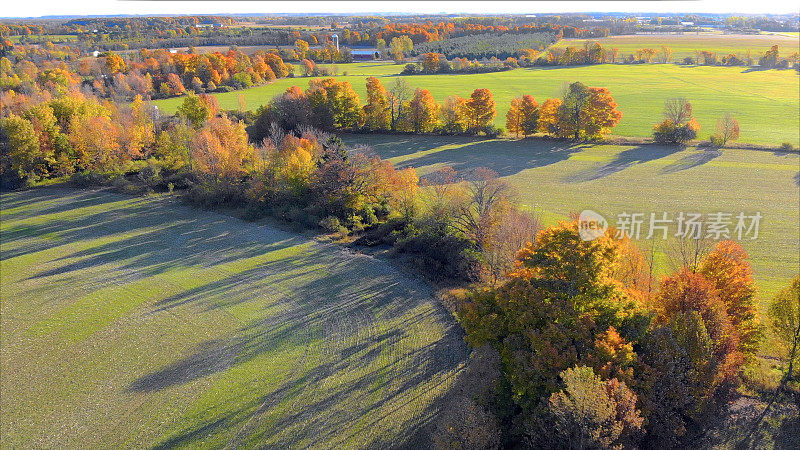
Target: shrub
x,y
668,132
716,140
491,131
787,146
330,224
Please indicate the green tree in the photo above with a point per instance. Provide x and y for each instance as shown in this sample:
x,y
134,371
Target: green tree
x,y
592,413
784,311
194,110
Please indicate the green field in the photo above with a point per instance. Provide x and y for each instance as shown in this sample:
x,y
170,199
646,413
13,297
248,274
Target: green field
x,y
554,179
138,322
765,102
688,44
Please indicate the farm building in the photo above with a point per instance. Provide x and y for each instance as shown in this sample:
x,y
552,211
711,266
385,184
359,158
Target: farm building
x,y
367,54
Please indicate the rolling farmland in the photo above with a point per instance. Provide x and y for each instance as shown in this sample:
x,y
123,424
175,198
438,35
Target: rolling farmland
x,y
689,44
764,101
556,178
140,322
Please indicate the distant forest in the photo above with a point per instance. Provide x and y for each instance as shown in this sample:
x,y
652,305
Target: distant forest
x,y
501,46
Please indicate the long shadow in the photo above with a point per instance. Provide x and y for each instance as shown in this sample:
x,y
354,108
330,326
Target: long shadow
x,y
338,320
502,156
625,159
394,145
694,159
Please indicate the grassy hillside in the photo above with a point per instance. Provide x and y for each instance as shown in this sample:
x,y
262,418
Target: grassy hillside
x,y
139,322
765,102
554,179
688,44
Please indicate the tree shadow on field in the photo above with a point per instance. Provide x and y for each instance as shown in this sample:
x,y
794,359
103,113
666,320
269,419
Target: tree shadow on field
x,y
394,145
625,159
506,157
380,364
694,159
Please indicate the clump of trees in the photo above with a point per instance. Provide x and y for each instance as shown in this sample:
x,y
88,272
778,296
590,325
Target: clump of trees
x,y
595,353
435,63
583,113
678,126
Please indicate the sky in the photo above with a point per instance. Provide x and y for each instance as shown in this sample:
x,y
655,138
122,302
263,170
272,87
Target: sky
x,y
37,8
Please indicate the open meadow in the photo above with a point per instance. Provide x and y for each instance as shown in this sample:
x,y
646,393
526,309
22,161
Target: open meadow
x,y
689,44
554,179
140,322
765,102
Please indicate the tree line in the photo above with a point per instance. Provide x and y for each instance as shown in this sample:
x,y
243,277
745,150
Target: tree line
x,y
147,73
595,53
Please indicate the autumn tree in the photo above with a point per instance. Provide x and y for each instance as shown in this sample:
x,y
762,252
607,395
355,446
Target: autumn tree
x,y
548,117
666,54
333,103
481,110
197,109
431,63
593,413
770,58
220,148
24,152
728,268
113,64
423,112
454,114
727,129
600,114
784,312
137,129
96,142
554,313
400,46
678,126
377,110
691,371
398,94
301,47
586,112
523,116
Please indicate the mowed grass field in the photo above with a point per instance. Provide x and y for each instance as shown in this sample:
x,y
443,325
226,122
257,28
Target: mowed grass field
x,y
138,322
765,102
553,179
689,44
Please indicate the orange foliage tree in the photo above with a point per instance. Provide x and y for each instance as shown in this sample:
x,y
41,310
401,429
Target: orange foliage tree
x,y
376,111
422,112
220,148
481,109
523,116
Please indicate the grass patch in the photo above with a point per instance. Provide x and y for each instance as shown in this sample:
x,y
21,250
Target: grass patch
x,y
689,44
556,178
